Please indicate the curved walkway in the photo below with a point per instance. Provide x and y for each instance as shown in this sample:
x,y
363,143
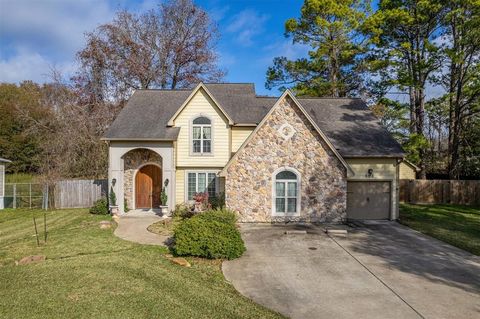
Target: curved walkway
x,y
133,227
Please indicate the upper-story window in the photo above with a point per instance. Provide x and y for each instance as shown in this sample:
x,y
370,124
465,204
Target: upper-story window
x,y
202,135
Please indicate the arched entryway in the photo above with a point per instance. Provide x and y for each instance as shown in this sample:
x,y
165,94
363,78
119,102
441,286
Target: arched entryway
x,y
148,186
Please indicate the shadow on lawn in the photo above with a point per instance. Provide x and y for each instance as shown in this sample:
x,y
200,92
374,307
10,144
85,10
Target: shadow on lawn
x,y
411,252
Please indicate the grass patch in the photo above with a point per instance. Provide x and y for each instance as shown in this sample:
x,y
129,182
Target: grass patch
x,y
90,273
20,178
454,224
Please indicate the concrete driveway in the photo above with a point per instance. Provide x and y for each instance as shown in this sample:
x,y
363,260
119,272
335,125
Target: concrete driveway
x,y
381,270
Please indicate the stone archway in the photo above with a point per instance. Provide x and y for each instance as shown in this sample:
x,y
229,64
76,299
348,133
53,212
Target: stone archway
x,y
133,161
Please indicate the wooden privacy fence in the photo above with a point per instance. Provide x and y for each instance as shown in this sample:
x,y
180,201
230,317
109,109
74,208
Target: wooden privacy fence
x,y
440,192
79,193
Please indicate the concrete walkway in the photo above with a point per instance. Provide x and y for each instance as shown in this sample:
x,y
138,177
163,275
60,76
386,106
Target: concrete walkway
x,y
133,227
378,271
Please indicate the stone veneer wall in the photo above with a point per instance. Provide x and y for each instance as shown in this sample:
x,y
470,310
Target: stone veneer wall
x,y
131,162
248,185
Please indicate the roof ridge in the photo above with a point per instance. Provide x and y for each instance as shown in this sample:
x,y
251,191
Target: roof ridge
x,y
206,83
327,98
167,90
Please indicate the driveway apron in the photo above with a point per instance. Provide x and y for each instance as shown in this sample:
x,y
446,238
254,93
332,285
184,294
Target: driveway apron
x,y
365,275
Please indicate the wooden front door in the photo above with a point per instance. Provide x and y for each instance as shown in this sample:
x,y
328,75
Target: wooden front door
x,y
148,187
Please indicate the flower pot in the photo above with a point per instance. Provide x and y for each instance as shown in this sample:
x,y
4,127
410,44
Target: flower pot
x,y
164,211
114,210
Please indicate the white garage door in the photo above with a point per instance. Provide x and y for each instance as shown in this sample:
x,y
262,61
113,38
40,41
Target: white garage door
x,y
368,200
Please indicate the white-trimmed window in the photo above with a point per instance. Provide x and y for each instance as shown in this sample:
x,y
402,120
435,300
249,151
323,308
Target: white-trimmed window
x,y
201,135
201,182
286,193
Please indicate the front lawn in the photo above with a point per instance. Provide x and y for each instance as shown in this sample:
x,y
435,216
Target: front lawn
x,y
453,224
90,273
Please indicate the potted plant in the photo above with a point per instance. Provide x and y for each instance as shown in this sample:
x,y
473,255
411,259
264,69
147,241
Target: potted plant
x,y
113,202
164,199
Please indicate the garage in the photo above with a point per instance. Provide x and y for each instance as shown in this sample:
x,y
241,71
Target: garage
x,y
368,199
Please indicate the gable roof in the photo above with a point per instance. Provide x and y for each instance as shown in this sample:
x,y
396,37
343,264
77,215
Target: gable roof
x,y
199,87
348,123
146,114
413,166
259,126
352,127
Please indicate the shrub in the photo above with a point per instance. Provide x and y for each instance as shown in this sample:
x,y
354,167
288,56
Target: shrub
x,y
205,236
164,197
217,201
201,202
113,197
183,211
220,215
100,207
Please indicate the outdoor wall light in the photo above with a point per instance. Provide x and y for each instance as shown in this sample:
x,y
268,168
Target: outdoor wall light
x,y
166,182
114,180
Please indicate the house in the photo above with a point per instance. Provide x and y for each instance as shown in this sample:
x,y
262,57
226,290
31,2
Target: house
x,y
275,158
408,170
2,181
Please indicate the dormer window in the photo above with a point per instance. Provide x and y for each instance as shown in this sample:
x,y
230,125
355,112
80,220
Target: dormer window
x,y
201,135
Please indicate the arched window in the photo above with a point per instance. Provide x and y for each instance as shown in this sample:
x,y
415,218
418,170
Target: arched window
x,y
286,193
201,135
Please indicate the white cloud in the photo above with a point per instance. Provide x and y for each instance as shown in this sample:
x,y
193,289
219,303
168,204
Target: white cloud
x,y
31,66
286,48
218,13
246,25
36,35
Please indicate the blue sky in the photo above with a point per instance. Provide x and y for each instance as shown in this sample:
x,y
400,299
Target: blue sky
x,y
38,34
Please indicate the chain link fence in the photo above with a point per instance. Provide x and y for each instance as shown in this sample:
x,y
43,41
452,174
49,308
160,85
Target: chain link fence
x,y
25,195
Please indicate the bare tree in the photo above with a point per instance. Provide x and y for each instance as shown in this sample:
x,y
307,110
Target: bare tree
x,y
170,47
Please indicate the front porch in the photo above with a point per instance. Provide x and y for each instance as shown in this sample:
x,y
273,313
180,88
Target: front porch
x,y
138,171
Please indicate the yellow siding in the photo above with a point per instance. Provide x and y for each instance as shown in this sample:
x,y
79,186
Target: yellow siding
x,y
201,104
406,171
383,169
239,135
180,186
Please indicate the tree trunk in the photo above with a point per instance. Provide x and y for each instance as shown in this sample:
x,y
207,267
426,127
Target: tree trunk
x,y
420,122
413,118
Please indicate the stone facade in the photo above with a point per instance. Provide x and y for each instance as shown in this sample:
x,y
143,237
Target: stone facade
x,y
287,139
132,161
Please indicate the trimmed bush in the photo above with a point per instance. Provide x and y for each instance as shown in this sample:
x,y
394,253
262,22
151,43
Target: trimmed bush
x,y
220,215
100,207
183,211
217,202
205,236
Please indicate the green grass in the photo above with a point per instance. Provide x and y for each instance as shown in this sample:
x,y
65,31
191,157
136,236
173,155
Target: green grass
x,y
90,273
19,178
453,224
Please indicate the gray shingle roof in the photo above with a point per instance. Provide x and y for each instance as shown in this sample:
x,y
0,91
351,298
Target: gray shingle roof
x,y
348,123
146,115
351,127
